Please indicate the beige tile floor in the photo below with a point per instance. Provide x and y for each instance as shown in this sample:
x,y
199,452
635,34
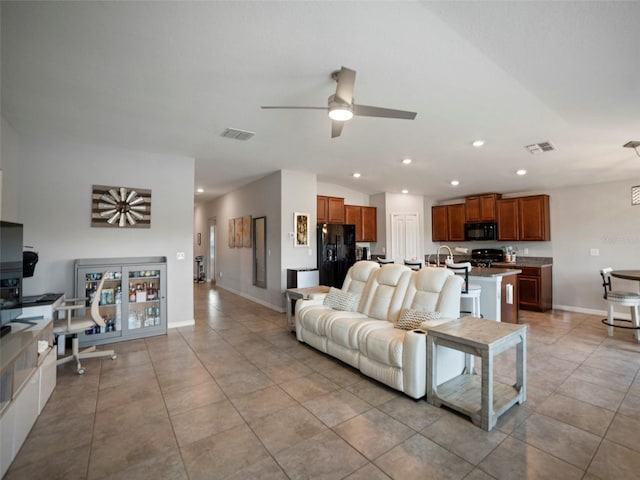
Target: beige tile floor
x,y
236,396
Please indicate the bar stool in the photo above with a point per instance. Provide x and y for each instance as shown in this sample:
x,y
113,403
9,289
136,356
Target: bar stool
x,y
625,299
384,261
468,291
413,264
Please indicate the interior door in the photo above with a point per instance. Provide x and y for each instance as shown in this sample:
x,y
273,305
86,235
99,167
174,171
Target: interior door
x,y
405,237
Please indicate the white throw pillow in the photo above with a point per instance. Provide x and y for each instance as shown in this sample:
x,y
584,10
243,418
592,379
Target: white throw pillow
x,y
412,319
339,300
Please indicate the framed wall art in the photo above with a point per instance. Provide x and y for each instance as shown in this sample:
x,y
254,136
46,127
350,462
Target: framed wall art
x,y
232,233
301,228
246,231
238,228
120,207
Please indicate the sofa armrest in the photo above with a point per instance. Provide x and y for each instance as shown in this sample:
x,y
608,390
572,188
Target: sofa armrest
x,y
432,323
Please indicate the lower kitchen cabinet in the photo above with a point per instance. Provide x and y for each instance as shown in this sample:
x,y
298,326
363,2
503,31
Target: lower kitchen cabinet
x,y
535,285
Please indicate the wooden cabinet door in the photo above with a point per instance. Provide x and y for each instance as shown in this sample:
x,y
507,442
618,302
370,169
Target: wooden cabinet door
x,y
322,209
369,224
529,292
488,207
509,311
533,214
455,221
472,209
335,210
507,216
353,216
439,229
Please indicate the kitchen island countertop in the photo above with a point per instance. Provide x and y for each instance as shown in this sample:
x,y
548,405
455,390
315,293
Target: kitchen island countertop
x,y
493,272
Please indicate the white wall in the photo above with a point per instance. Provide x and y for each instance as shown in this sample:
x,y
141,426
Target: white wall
x,y
54,182
9,165
234,266
351,197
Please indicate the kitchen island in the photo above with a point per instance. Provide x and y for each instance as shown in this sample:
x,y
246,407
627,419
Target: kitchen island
x,y
499,296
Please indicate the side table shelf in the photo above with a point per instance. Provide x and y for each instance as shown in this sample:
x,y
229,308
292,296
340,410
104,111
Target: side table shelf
x,y
477,396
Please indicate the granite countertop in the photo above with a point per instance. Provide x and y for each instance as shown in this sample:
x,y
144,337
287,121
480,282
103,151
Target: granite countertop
x,y
538,262
493,272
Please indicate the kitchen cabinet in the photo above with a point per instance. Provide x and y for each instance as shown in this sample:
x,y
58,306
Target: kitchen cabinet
x,y
133,300
329,209
535,288
364,218
523,218
481,208
447,223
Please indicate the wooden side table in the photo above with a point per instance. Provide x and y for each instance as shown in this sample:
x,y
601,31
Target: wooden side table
x,y
477,396
301,294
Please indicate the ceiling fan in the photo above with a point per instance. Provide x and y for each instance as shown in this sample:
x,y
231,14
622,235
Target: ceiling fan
x,y
342,108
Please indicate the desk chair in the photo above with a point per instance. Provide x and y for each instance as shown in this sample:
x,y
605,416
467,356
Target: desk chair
x,y
413,264
72,325
468,291
625,299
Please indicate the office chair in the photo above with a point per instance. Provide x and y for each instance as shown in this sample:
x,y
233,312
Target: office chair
x,y
72,325
468,291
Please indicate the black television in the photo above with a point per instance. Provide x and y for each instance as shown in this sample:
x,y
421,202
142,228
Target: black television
x,y
11,271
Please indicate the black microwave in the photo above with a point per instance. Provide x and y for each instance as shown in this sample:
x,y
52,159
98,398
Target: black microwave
x,y
480,231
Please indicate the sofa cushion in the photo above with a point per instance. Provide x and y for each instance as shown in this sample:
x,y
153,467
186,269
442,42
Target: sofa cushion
x,y
383,345
411,319
341,300
385,292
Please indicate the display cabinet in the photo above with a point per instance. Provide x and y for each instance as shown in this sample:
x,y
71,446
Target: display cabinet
x,y
133,299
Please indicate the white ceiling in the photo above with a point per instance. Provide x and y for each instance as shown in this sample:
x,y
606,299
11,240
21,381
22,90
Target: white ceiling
x,y
169,77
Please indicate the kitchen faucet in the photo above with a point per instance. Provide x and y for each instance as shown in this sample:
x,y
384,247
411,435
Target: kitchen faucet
x,y
450,257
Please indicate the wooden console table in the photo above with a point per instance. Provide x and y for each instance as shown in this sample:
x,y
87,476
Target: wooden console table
x,y
477,396
301,294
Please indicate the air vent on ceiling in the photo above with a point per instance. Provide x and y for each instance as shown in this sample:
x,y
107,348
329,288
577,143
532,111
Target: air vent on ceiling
x,y
237,134
540,147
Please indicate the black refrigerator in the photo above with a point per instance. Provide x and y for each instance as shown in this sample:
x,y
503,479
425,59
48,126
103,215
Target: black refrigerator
x,y
336,252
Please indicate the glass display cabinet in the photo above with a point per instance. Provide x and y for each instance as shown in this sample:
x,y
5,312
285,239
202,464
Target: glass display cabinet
x,y
133,299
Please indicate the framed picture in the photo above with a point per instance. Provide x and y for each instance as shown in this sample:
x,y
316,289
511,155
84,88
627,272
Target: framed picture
x,y
301,226
199,239
246,231
238,228
232,233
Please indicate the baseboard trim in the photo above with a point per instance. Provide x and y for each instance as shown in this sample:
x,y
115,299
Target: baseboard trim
x,y
591,311
186,323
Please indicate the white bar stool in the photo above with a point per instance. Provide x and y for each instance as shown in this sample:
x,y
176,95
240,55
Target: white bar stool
x,y
468,291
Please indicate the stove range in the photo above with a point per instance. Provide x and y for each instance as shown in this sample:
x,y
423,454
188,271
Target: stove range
x,y
484,257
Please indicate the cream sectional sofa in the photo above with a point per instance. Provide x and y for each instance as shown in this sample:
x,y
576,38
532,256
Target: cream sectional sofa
x,y
365,337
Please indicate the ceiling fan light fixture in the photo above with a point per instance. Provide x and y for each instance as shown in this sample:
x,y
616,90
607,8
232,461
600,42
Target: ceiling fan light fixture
x,y
340,113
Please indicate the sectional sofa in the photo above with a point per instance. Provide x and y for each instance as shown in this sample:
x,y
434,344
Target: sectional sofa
x,y
363,334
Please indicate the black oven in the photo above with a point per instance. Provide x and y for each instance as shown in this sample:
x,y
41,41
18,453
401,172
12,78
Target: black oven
x,y
480,231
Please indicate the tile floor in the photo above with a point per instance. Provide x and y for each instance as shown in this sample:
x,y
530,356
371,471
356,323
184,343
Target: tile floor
x,y
237,397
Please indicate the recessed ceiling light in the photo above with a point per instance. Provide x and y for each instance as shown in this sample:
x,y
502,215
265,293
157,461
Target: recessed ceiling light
x,y
200,190
455,183
522,171
478,143
356,175
405,190
407,161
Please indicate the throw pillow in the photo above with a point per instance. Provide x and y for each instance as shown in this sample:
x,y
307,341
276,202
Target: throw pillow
x,y
411,319
339,300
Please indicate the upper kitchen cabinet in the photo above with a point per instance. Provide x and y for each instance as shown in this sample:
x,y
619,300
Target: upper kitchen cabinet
x,y
524,218
481,208
447,223
330,209
364,218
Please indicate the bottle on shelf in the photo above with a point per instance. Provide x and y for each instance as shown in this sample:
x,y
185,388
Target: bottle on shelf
x,y
132,293
118,322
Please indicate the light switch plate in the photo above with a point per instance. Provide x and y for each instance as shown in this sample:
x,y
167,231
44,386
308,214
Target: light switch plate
x,y
180,256
595,252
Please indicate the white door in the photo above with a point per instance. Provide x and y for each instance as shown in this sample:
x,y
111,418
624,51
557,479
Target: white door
x,y
405,237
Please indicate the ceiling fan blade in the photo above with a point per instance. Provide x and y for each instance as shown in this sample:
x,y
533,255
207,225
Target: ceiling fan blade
x,y
336,128
268,107
345,78
368,111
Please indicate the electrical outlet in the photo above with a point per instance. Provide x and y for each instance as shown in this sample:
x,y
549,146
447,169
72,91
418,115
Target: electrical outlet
x,y
220,274
595,252
309,252
525,251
